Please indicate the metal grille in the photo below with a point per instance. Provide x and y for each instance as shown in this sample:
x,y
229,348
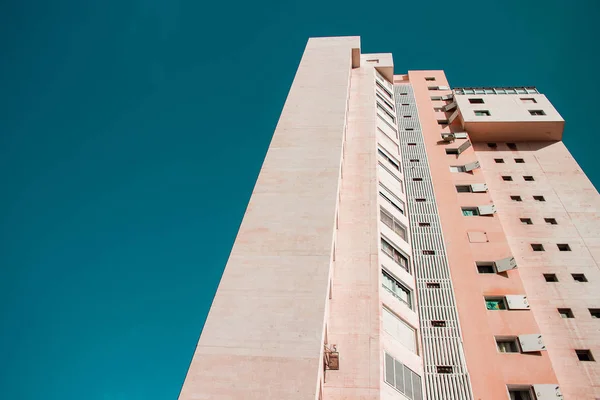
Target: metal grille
x,y
442,346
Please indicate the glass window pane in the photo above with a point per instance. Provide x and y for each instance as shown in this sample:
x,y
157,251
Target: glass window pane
x,y
389,369
408,391
400,378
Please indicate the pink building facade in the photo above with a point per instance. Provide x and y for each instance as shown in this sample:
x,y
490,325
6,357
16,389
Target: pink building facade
x,y
407,240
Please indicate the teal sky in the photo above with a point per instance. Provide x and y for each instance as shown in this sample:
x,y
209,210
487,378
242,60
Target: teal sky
x,y
131,135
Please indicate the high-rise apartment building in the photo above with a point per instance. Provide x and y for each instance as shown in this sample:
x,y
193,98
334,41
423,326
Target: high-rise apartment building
x,y
408,240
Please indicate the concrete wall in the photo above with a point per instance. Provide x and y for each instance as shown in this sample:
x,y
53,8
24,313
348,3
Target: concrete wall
x,y
263,338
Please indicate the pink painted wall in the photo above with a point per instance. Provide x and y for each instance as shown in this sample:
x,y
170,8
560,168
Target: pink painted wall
x,y
490,371
572,200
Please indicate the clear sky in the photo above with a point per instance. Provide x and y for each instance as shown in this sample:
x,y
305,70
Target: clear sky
x,y
131,135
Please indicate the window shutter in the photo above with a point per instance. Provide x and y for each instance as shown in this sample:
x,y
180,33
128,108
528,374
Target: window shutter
x,y
547,392
517,302
460,135
472,166
464,146
530,343
486,210
450,106
453,116
505,264
479,187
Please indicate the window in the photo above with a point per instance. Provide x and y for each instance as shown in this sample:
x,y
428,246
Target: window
x,y
539,198
565,313
594,312
390,198
476,101
414,160
402,378
537,112
511,146
537,247
387,92
463,188
499,160
420,200
387,103
444,369
417,179
438,324
550,221
528,178
409,129
495,303
457,168
520,394
506,345
386,112
563,247
528,100
470,211
407,116
516,198
432,88
507,178
433,285
396,288
400,330
519,161
584,355
550,278
392,223
438,109
411,144
482,113
424,224
430,78
492,145
405,104
394,254
428,252
451,151
436,98
579,277
485,268
443,122
526,221
394,163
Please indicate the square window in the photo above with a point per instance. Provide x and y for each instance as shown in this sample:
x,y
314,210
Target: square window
x,y
507,345
482,113
463,188
550,278
594,312
565,313
511,146
583,355
443,369
526,221
579,277
519,161
539,198
550,221
438,324
451,151
528,100
499,160
507,178
485,267
470,211
433,285
495,303
430,78
443,122
457,168
563,247
516,198
537,247
520,394
492,145
476,101
528,178
537,112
